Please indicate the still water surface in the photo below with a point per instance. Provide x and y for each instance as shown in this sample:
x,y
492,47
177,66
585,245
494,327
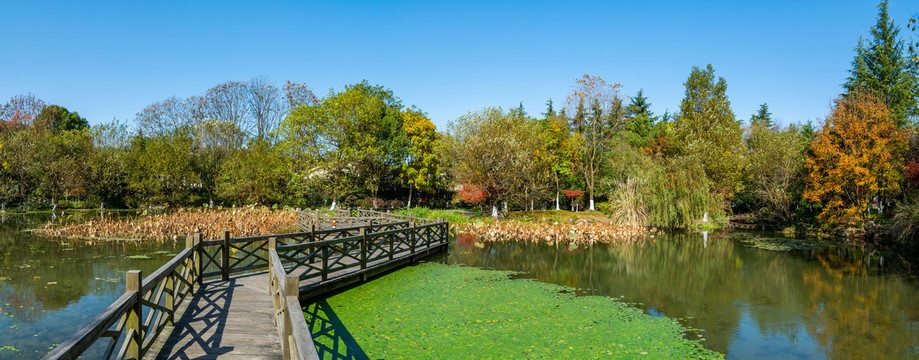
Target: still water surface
x,y
840,303
49,288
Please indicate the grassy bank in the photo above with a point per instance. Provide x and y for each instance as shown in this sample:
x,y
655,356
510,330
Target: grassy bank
x,y
436,311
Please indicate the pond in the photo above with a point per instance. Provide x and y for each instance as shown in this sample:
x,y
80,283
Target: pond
x,y
49,288
836,303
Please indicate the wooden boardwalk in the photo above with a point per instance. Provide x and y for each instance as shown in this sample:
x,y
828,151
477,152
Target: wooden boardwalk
x,y
215,300
232,319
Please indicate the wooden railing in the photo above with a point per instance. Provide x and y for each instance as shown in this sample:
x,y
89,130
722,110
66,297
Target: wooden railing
x,y
323,219
359,247
296,340
134,321
130,334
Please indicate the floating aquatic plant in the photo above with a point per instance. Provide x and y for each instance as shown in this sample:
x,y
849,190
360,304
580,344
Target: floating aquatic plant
x,y
437,311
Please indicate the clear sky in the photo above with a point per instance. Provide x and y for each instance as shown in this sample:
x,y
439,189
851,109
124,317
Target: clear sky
x,y
108,60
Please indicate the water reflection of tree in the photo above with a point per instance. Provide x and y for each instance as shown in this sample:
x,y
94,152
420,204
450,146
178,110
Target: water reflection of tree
x,y
826,294
43,275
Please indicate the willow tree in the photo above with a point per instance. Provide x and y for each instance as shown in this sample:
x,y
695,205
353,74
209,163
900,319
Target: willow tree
x,y
857,157
706,131
598,114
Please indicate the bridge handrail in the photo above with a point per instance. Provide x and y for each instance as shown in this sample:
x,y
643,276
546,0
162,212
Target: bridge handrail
x,y
157,295
296,340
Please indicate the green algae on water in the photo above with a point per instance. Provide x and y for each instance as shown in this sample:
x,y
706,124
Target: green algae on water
x,y
783,244
437,311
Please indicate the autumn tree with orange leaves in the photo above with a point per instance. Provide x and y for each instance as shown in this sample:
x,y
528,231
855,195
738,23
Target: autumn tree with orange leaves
x,y
857,158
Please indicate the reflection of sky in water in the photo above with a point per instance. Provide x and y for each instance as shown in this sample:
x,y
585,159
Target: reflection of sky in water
x,y
749,303
749,342
51,288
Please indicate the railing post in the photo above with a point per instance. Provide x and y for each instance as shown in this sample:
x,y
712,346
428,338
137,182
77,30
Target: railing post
x,y
169,298
440,227
292,284
363,248
391,247
411,236
325,263
225,269
190,244
133,283
199,237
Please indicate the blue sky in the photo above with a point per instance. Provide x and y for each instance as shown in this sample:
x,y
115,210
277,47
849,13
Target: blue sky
x,y
108,60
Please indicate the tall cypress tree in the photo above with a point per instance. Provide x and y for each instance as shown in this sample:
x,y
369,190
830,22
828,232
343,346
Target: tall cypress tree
x,y
882,68
707,132
762,116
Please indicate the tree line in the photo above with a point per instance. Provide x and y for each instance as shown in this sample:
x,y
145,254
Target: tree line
x,y
258,142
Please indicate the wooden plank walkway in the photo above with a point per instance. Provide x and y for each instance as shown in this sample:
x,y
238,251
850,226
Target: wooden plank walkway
x,y
231,319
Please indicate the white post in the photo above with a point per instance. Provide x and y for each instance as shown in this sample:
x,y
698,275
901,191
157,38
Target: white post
x,y
557,208
494,212
333,205
591,205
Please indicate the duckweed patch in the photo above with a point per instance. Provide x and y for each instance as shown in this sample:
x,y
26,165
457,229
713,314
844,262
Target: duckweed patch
x,y
437,311
783,244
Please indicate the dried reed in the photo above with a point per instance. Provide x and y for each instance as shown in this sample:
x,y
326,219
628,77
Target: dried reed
x,y
241,222
566,232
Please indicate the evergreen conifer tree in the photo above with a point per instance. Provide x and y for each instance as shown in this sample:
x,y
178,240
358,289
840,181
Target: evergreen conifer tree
x,y
762,117
883,69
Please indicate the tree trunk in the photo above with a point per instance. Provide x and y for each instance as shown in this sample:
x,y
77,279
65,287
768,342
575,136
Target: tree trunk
x,y
591,199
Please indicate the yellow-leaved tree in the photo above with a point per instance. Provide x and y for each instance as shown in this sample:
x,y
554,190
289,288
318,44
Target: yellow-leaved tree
x,y
857,159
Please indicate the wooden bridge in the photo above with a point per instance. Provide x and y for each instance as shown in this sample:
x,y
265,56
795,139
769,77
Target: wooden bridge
x,y
215,299
744,221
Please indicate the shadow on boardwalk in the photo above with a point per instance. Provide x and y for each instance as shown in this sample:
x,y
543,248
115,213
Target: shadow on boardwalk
x,y
327,328
206,308
227,319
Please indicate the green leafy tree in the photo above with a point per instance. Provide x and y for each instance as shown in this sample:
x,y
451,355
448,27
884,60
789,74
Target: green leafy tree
x,y
256,174
61,160
161,168
707,132
106,172
558,149
421,170
347,143
592,128
22,173
58,118
215,141
777,168
882,68
492,151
